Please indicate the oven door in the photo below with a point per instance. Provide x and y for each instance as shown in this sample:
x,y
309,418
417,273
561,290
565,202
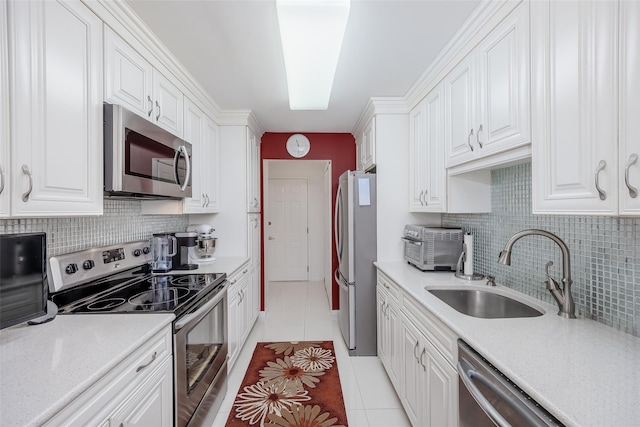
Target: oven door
x,y
200,353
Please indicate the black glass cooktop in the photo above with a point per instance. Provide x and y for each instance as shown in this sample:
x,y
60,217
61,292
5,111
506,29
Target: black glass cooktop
x,y
135,292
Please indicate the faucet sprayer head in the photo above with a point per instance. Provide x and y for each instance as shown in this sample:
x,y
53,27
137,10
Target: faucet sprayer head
x,y
504,257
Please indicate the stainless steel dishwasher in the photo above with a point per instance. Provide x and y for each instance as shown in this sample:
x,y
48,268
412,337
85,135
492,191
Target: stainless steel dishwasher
x,y
488,398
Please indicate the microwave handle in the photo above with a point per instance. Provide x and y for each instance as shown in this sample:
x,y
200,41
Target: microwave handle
x,y
184,152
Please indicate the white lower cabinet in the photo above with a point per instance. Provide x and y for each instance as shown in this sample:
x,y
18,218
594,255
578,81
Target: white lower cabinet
x,y
429,390
240,319
419,354
254,232
389,328
138,392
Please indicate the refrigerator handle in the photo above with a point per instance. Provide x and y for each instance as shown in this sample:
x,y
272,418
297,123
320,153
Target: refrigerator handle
x,y
339,280
337,228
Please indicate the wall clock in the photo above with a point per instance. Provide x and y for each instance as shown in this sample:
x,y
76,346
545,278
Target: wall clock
x,y
298,145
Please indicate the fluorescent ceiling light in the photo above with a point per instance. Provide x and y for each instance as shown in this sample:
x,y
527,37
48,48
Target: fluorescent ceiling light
x,y
311,32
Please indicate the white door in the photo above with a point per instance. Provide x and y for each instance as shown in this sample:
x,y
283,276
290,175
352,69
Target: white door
x,y
287,230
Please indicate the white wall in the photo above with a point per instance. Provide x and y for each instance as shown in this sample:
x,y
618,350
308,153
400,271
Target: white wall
x,y
231,222
313,171
392,170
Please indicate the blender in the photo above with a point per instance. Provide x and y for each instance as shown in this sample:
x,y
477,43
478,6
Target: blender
x,y
164,247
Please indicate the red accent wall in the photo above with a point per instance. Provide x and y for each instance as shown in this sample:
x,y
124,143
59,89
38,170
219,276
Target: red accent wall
x,y
340,148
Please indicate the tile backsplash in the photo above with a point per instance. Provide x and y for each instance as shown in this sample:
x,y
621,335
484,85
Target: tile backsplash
x,y
605,251
121,222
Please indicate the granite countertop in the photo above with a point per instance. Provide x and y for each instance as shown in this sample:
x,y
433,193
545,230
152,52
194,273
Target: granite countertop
x,y
583,372
45,367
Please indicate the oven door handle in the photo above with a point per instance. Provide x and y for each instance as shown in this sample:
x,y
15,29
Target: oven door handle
x,y
413,242
466,375
199,313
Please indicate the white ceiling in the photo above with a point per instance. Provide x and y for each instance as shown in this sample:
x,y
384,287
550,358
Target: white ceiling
x,y
232,47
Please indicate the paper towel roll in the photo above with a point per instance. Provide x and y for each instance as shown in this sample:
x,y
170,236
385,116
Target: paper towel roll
x,y
468,243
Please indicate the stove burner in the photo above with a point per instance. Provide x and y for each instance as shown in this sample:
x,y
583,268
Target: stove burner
x,y
190,280
162,295
105,304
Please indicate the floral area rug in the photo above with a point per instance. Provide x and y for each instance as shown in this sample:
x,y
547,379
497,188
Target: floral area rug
x,y
290,384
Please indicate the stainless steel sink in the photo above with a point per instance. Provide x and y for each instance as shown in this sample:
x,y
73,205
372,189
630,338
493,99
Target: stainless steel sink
x,y
484,304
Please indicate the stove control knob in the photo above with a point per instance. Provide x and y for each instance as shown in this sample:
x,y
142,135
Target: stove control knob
x,y
146,250
71,268
88,264
137,252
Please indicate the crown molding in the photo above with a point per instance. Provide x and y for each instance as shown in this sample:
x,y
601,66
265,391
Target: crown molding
x,y
473,30
125,22
380,105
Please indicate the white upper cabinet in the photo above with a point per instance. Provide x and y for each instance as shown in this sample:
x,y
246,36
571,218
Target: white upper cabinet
x,y
578,111
56,109
629,143
203,134
428,179
487,94
5,119
253,172
504,85
460,112
366,147
130,80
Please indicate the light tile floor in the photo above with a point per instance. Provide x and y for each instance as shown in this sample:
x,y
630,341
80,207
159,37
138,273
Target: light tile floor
x,y
297,311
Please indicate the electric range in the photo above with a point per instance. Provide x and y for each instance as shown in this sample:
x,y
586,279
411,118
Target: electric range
x,y
118,279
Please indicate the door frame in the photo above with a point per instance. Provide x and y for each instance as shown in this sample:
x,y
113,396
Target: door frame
x,y
327,222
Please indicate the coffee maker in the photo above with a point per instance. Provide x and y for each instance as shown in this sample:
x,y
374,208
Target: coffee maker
x,y
185,241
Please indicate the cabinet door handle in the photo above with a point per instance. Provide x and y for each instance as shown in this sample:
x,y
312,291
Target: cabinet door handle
x,y
426,202
601,165
469,140
1,180
158,107
150,106
141,367
420,197
208,200
415,348
424,351
633,191
204,201
478,136
26,171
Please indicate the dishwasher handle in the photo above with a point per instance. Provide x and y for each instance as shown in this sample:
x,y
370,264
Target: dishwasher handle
x,y
467,375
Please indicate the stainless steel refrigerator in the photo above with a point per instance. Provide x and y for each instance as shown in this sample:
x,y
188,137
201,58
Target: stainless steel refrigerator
x,y
355,237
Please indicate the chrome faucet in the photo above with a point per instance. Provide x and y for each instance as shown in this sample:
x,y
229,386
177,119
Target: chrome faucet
x,y
562,296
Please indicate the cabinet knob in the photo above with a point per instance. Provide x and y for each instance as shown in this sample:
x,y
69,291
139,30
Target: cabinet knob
x,y
26,171
601,165
633,191
478,136
469,140
271,238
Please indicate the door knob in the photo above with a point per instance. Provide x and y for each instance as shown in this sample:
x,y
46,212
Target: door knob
x,y
272,238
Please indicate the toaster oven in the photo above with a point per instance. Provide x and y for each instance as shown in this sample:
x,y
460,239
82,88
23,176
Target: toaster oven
x,y
432,248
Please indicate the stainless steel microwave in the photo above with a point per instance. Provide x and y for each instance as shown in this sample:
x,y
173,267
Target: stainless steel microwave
x,y
142,160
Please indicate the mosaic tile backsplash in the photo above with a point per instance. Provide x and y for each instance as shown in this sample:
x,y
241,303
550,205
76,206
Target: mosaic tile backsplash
x,y
605,251
121,222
